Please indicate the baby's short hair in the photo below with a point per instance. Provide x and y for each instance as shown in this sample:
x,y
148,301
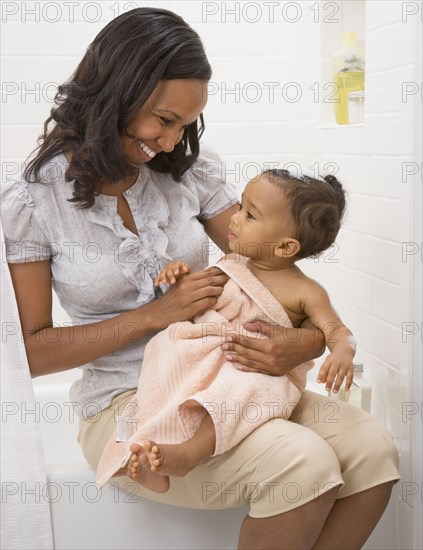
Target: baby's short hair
x,y
317,207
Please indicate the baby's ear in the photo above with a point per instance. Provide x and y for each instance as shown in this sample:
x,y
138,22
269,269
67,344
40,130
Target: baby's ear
x,y
287,248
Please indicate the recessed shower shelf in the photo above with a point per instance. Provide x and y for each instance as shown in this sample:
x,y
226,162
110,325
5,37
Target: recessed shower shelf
x,y
338,126
342,54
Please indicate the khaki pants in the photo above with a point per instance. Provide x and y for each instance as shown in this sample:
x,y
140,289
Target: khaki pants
x,y
281,465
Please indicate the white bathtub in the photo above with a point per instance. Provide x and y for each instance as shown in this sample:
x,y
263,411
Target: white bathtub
x,y
87,518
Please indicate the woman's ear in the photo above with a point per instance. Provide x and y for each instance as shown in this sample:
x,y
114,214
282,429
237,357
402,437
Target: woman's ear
x,y
287,248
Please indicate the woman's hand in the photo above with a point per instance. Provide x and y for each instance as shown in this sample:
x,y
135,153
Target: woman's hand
x,y
191,294
282,350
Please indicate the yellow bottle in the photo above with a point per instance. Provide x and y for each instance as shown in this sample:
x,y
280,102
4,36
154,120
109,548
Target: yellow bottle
x,y
349,81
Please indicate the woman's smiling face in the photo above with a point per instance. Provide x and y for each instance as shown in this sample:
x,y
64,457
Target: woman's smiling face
x,y
160,123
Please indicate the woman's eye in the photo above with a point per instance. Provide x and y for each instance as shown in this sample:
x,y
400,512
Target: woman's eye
x,y
166,121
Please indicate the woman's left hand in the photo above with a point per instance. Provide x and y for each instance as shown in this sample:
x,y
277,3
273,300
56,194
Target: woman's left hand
x,y
282,350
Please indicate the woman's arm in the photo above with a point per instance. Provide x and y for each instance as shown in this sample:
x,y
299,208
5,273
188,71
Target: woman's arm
x,y
53,349
217,228
284,349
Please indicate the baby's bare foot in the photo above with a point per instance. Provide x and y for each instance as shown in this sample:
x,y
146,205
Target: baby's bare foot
x,y
171,460
139,469
154,455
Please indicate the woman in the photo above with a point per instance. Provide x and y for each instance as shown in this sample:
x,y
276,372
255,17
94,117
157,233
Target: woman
x,y
118,187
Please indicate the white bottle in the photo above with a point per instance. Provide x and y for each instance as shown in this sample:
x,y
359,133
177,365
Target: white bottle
x,y
360,393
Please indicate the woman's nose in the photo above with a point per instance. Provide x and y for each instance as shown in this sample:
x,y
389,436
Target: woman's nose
x,y
169,139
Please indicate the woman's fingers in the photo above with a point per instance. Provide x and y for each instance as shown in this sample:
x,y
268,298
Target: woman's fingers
x,y
203,282
212,276
192,294
271,350
250,354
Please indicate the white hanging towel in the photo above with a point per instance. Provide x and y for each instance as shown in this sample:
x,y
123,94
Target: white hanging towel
x,y
25,510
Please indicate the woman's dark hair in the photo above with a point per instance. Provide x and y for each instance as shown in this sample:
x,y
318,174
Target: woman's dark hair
x,y
317,208
119,71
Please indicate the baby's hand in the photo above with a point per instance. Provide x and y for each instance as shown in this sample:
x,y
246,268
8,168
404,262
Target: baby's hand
x,y
172,271
336,366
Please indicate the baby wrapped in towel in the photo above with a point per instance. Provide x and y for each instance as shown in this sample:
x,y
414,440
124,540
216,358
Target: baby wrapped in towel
x,y
192,399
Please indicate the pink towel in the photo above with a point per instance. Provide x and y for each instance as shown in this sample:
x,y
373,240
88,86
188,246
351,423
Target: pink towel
x,y
184,373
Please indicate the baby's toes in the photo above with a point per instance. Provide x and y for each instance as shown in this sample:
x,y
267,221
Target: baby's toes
x,y
133,459
157,462
134,463
156,458
155,449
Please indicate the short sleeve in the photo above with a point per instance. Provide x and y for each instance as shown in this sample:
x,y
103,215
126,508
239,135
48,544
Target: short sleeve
x,y
215,193
24,236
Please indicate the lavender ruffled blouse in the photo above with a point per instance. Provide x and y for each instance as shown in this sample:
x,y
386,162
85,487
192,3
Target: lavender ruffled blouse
x,y
99,267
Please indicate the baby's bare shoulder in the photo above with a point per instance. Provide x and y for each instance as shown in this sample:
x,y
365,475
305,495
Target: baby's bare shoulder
x,y
312,293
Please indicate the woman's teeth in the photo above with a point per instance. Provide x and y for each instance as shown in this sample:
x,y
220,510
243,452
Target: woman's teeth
x,y
146,149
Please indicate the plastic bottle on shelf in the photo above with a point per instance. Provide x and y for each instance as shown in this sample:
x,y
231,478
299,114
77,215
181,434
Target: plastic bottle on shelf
x,y
348,68
360,393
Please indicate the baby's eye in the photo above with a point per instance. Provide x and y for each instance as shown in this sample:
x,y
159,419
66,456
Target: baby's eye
x,y
249,216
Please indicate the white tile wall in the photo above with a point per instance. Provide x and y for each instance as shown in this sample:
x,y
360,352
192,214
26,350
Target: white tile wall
x,y
391,46
384,14
262,41
369,284
29,88
386,301
374,216
380,339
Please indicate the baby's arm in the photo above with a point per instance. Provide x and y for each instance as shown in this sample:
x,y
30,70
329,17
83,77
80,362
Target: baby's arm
x,y
171,272
339,339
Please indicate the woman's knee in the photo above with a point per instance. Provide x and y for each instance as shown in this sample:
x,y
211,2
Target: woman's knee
x,y
368,456
294,471
305,452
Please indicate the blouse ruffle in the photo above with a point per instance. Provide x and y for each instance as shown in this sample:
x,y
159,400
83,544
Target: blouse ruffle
x,y
142,257
24,233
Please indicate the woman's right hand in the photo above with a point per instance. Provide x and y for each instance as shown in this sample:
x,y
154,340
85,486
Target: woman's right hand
x,y
192,294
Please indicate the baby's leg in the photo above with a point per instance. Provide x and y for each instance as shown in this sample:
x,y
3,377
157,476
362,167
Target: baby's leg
x,y
175,460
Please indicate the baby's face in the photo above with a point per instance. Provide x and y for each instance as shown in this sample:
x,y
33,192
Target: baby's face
x,y
263,219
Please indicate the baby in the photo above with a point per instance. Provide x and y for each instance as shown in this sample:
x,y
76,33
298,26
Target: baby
x,y
281,219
